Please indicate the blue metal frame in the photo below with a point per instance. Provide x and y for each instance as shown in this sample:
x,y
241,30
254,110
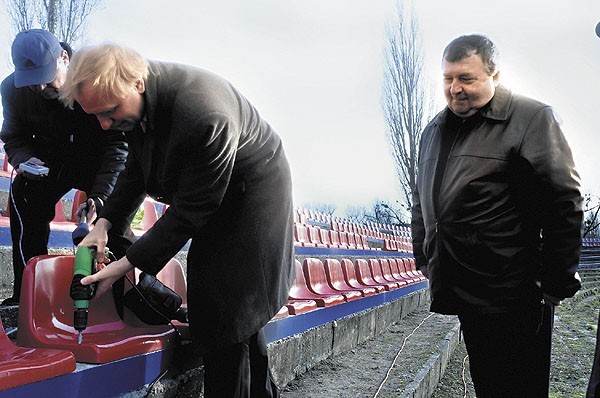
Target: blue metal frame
x,y
288,326
104,380
323,251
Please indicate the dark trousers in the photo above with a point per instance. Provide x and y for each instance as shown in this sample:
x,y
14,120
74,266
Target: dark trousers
x,y
509,353
239,371
32,206
593,390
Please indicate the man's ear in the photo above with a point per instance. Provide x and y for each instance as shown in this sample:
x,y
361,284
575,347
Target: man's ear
x,y
496,78
140,86
64,55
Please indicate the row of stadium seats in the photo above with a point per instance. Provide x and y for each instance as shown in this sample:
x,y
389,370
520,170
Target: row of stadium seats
x,y
335,281
313,236
369,228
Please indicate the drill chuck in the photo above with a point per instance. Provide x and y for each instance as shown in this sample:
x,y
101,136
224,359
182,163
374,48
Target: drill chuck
x,y
80,318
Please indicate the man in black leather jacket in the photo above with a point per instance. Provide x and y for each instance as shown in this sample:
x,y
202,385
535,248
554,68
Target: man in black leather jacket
x,y
496,221
37,128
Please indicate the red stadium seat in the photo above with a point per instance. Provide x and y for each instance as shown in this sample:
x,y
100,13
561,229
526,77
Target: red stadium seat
x,y
335,277
314,236
316,279
388,274
300,291
403,273
21,365
351,277
59,212
411,269
398,274
46,318
301,236
344,240
150,217
326,238
7,169
351,240
390,245
365,276
378,276
336,240
284,312
297,307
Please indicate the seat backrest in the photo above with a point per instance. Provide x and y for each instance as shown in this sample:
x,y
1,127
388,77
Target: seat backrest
x,y
314,235
335,238
344,239
394,268
325,238
301,234
150,217
349,271
386,269
363,272
375,268
59,212
299,284
314,273
334,274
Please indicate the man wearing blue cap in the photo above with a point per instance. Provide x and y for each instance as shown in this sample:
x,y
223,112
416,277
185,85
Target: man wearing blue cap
x,y
38,129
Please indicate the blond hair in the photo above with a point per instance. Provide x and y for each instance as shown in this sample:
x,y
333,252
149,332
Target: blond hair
x,y
110,68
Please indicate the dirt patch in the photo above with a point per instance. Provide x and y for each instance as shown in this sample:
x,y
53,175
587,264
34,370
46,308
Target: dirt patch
x,y
383,366
362,371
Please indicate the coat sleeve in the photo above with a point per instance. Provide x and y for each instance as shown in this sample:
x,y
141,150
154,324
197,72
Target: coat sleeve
x,y
113,163
418,230
207,150
547,151
16,143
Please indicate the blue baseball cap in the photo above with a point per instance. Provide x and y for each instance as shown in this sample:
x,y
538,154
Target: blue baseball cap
x,y
34,53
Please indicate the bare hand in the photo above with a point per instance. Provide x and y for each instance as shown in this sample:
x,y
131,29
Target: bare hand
x,y
98,237
108,275
91,211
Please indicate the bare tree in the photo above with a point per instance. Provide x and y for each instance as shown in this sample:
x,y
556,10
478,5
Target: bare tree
x,y
591,215
357,214
405,100
67,19
323,208
379,212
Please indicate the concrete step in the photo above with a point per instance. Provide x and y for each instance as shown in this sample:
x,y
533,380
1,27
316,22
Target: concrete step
x,y
406,360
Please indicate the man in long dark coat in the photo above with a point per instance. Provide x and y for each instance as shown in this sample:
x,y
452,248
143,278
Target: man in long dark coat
x,y
199,146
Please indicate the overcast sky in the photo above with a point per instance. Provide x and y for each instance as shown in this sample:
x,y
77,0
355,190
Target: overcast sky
x,y
313,68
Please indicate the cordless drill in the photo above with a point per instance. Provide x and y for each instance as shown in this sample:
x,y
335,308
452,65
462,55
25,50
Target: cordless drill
x,y
85,264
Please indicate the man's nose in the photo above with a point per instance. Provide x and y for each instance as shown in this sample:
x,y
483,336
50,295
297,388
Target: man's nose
x,y
455,87
105,122
41,87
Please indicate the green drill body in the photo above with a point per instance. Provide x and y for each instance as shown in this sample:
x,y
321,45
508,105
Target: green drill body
x,y
85,265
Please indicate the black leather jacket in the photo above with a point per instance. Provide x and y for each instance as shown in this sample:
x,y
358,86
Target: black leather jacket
x,y
66,140
509,210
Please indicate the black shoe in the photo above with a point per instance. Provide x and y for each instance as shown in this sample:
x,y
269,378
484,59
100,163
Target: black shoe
x,y
10,301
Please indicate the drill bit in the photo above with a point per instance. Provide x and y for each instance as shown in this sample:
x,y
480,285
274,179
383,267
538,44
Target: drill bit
x,y
79,337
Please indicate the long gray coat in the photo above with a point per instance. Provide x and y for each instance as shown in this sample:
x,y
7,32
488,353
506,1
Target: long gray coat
x,y
222,169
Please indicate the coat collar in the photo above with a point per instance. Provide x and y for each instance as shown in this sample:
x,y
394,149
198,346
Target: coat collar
x,y
499,108
150,94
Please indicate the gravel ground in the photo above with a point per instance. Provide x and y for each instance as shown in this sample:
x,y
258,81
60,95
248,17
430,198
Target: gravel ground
x,y
362,371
